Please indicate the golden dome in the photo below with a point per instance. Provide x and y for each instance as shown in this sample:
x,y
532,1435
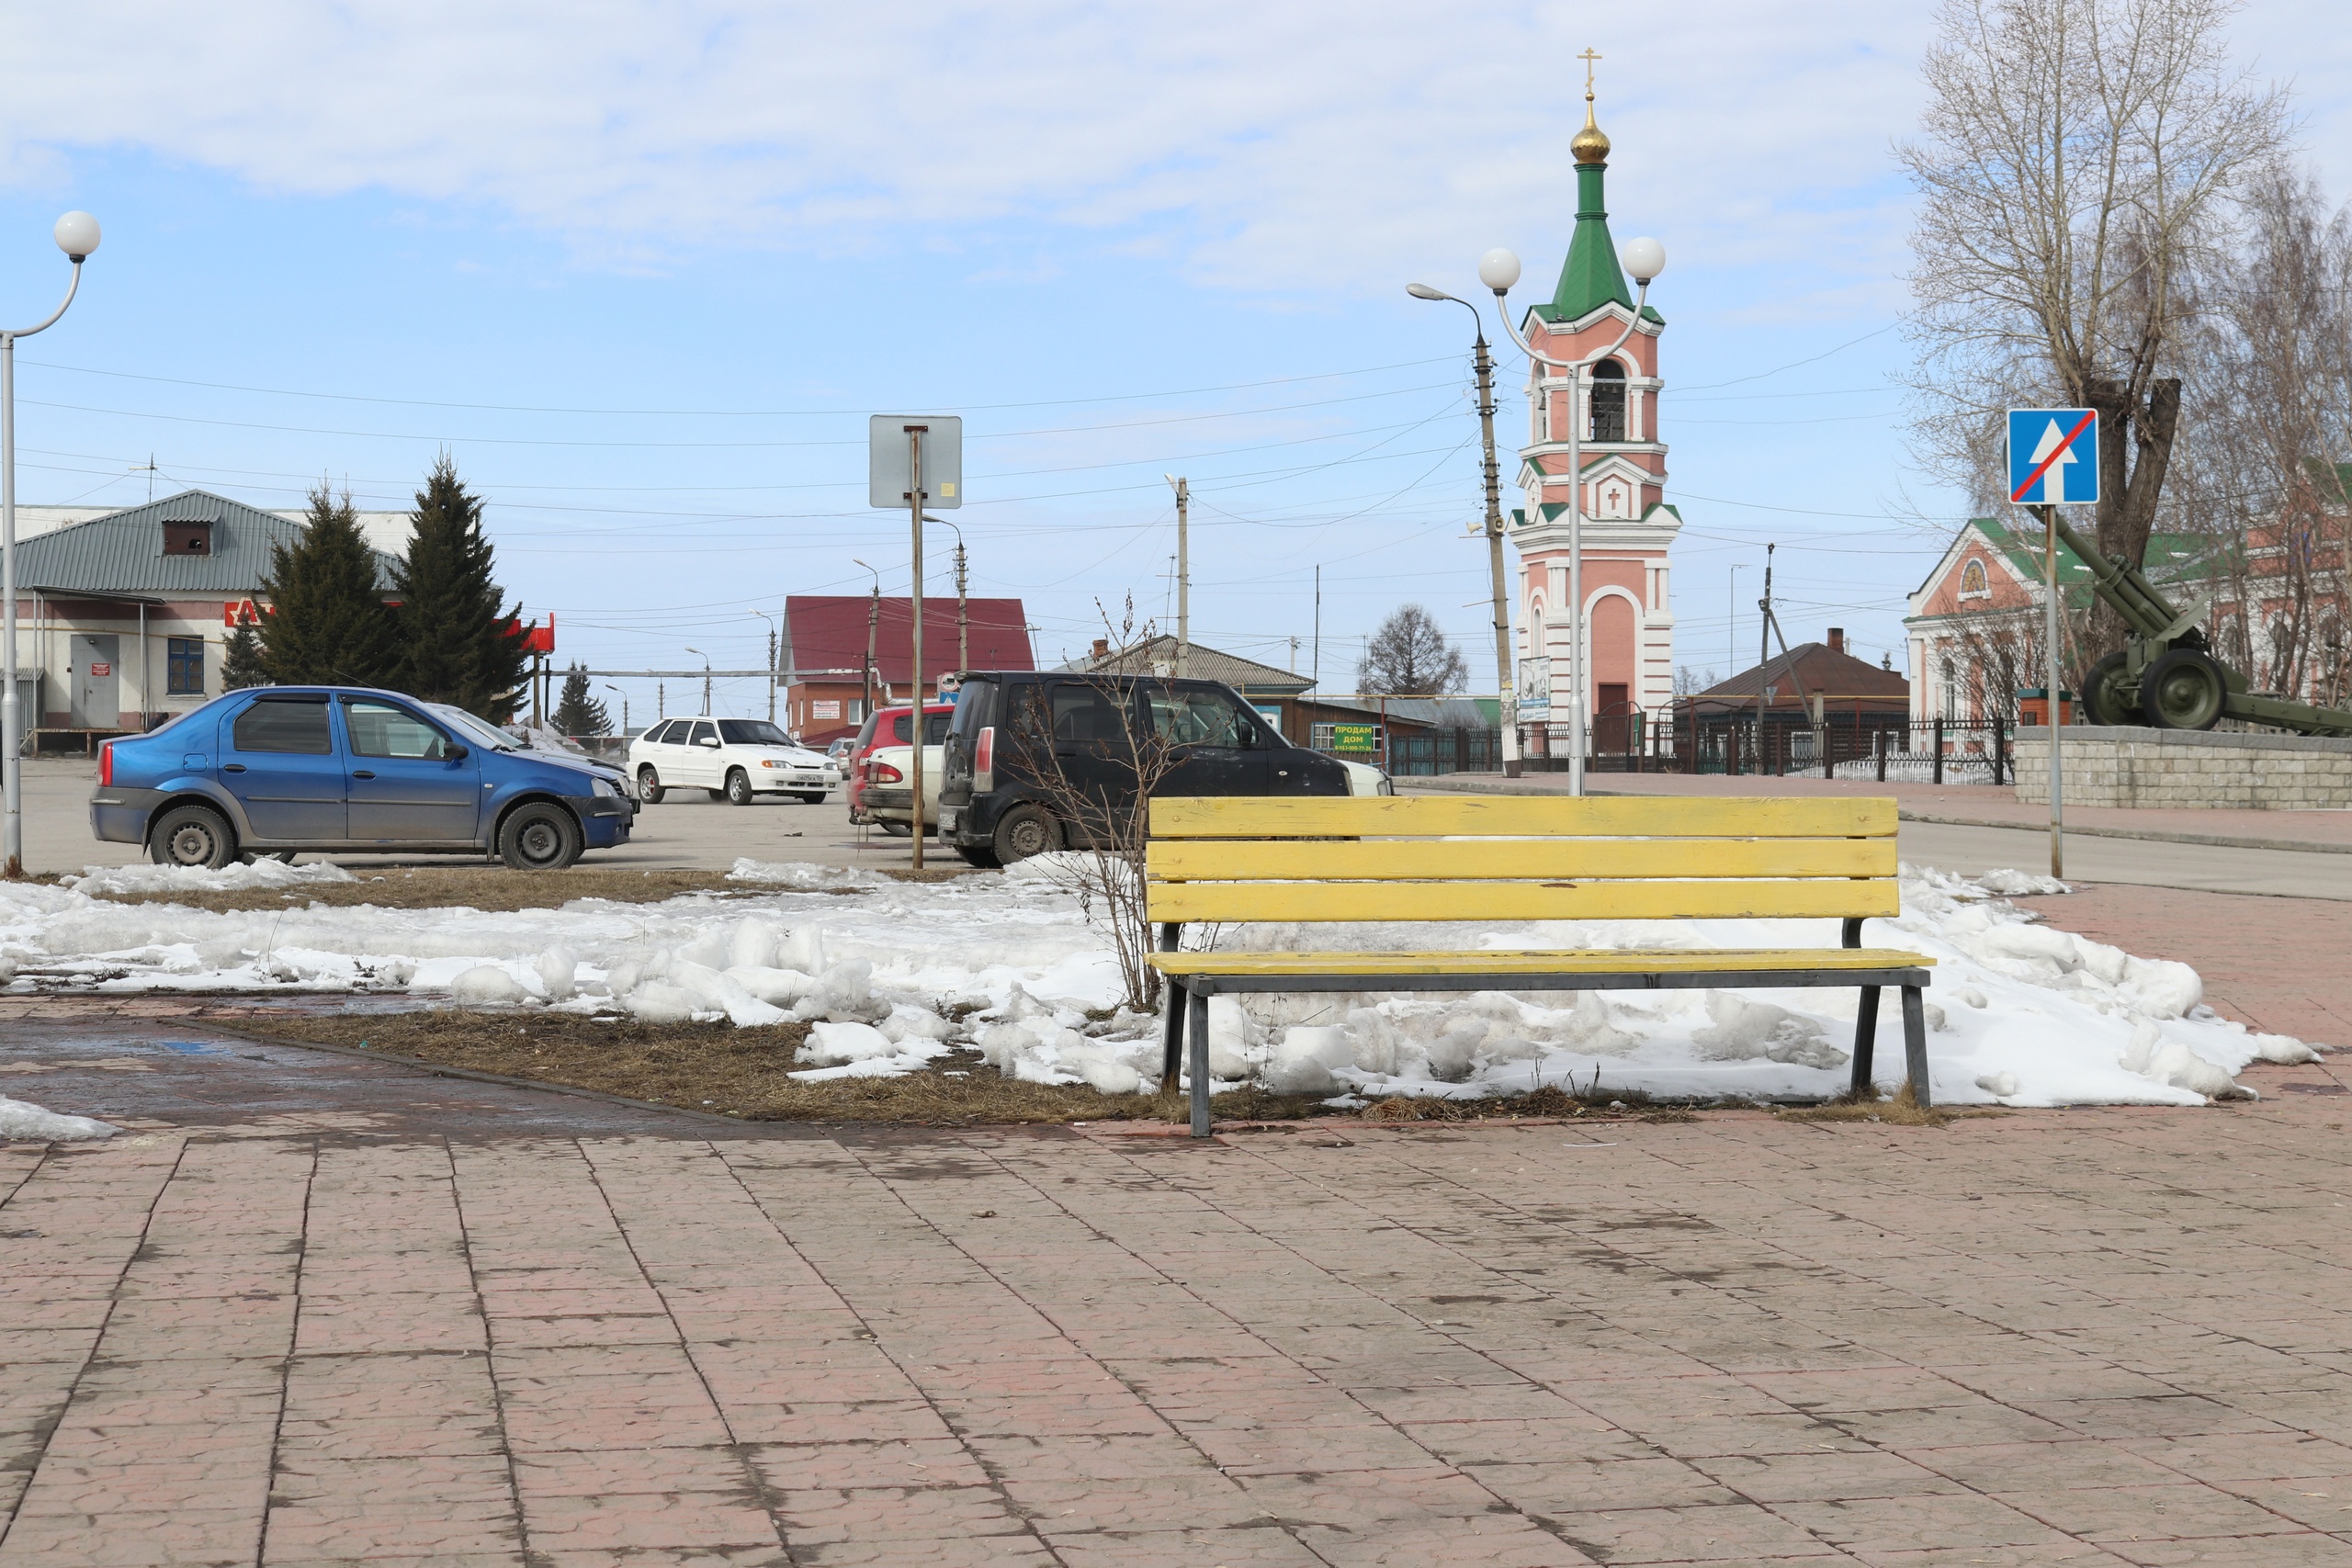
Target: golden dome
x,y
1590,145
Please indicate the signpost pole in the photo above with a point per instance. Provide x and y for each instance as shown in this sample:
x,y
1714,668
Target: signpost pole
x,y
914,505
2050,693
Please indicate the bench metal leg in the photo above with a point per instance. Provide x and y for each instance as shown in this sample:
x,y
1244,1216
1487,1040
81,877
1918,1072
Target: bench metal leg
x,y
1198,1007
1865,1042
1171,1034
1915,1043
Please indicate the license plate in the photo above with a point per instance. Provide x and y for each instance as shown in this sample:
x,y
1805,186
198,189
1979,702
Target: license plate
x,y
948,818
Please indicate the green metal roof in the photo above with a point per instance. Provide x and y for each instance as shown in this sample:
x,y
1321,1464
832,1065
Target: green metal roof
x,y
121,554
2184,559
1553,511
1590,277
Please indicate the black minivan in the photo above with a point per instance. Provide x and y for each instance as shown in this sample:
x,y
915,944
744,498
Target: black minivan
x,y
999,802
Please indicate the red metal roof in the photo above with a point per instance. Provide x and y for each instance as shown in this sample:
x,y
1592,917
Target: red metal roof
x,y
824,636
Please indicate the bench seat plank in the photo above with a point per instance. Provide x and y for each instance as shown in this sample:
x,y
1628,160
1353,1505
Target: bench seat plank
x,y
1747,898
1534,962
1618,816
1471,860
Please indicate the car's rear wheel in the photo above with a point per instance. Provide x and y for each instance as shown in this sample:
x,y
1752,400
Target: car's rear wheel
x,y
538,836
1023,831
738,788
895,829
194,836
649,785
284,857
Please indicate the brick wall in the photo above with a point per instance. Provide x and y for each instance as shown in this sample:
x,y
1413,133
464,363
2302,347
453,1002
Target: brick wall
x,y
2250,770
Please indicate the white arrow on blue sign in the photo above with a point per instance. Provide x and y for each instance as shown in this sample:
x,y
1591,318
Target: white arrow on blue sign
x,y
2053,457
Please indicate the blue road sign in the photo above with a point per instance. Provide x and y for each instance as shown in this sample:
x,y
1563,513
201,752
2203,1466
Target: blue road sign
x,y
2053,457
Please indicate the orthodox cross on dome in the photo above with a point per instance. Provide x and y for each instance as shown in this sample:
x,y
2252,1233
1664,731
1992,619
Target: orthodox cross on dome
x,y
1588,56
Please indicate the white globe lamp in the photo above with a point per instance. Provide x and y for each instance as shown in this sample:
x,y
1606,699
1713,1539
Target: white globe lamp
x,y
1645,259
76,234
1498,269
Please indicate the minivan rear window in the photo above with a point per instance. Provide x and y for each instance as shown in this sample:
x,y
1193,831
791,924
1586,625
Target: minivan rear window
x,y
975,707
275,724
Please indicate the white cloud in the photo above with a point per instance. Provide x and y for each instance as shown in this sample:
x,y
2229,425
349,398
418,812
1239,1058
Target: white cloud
x,y
1276,148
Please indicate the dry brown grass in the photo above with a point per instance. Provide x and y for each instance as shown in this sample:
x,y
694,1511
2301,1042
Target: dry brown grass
x,y
492,888
1903,1111
1550,1101
719,1068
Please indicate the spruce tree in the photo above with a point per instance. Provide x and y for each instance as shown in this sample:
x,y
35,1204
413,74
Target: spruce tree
x,y
244,662
577,712
328,625
460,645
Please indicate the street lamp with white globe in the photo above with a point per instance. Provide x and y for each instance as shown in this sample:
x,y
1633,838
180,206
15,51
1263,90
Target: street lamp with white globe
x,y
77,235
1498,269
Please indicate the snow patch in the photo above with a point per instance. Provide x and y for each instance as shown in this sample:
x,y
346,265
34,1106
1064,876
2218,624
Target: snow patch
x,y
22,1119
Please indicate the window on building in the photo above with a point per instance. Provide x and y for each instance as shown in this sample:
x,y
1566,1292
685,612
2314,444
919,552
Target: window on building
x,y
184,666
1608,401
1972,580
188,538
1949,695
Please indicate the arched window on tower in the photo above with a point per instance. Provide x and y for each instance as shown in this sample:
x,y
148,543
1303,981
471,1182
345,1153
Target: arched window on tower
x,y
1608,401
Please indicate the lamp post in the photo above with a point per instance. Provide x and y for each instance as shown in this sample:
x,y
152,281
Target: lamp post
x,y
1498,269
77,235
771,621
706,681
1506,684
624,697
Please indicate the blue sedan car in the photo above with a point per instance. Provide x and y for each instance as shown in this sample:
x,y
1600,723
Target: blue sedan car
x,y
272,769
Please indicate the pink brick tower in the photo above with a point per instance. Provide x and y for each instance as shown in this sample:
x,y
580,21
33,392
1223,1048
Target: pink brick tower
x,y
1628,526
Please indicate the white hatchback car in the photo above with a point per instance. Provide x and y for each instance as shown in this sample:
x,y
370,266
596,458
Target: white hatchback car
x,y
734,758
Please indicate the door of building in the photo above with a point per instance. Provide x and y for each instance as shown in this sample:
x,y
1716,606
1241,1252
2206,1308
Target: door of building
x,y
94,682
1612,728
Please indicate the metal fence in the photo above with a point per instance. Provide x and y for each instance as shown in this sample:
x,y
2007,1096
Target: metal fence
x,y
1900,750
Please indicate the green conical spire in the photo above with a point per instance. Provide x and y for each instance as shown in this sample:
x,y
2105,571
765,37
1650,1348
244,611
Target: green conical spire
x,y
1590,277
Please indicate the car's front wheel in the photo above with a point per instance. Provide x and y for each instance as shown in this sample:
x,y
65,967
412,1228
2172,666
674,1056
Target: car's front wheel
x,y
193,836
810,797
738,788
538,836
649,785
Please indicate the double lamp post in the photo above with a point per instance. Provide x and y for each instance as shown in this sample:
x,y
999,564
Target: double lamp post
x,y
1498,270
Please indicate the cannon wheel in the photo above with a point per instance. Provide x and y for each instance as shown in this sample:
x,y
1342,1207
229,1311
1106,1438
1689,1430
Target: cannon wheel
x,y
2107,697
2183,690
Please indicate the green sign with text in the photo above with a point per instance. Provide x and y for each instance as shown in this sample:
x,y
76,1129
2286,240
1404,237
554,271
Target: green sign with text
x,y
1355,738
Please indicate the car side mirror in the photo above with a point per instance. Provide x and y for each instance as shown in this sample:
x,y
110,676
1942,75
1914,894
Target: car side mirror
x,y
455,754
709,741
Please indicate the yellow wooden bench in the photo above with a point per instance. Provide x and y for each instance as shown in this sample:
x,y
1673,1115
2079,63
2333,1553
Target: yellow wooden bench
x,y
1510,858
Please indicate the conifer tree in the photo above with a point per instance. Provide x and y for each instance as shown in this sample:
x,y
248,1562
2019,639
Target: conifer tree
x,y
244,662
577,712
460,645
328,624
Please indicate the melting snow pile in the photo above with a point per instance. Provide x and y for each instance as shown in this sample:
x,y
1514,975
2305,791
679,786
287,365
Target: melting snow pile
x,y
22,1119
892,975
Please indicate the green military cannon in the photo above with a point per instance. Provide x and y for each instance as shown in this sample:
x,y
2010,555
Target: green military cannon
x,y
2166,676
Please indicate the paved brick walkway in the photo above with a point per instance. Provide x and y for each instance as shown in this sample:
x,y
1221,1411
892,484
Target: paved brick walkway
x,y
2086,1338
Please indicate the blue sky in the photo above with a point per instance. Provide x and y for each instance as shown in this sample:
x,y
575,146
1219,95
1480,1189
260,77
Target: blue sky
x,y
646,269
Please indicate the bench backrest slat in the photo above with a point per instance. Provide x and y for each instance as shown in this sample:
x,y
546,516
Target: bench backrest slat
x,y
1621,816
1519,858
1512,859
1661,900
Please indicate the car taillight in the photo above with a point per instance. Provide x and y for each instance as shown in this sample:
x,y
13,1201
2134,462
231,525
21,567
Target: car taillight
x,y
106,765
984,753
885,774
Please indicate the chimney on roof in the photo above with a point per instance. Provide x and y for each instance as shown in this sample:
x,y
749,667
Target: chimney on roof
x,y
1837,639
1102,648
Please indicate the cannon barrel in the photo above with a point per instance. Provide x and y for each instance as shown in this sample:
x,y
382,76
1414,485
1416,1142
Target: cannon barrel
x,y
2125,587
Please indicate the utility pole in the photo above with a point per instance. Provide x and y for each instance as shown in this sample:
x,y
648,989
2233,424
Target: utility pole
x,y
1763,654
963,611
1506,687
873,625
1184,572
1315,670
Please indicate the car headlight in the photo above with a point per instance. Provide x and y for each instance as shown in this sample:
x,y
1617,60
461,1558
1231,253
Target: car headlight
x,y
606,787
770,762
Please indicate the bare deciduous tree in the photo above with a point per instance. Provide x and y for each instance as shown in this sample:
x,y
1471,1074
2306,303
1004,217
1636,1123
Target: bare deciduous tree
x,y
2073,161
1409,656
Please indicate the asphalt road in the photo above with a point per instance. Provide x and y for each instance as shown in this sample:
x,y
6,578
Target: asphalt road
x,y
687,830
